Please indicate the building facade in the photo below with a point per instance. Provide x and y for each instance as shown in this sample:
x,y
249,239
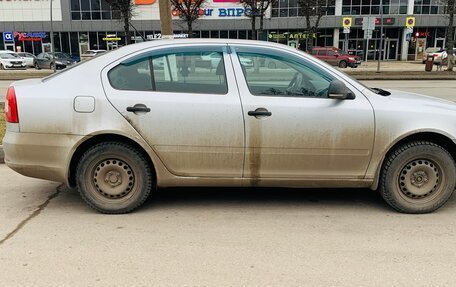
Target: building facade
x,y
80,25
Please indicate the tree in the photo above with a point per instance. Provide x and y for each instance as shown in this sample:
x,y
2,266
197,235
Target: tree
x,y
313,11
189,11
257,9
450,34
125,7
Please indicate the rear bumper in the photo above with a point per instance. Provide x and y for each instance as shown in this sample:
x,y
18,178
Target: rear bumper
x,y
44,156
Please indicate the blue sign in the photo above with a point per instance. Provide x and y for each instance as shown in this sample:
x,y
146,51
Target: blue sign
x,y
408,37
8,37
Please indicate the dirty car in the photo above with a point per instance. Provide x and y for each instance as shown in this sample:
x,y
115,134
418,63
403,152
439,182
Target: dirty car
x,y
154,114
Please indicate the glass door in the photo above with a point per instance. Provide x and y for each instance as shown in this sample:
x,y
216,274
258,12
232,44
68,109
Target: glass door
x,y
390,49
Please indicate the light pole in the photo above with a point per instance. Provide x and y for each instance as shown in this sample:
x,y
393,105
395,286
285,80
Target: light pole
x,y
381,36
52,39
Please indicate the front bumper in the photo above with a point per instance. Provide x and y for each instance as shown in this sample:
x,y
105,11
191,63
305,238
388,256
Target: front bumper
x,y
44,156
15,66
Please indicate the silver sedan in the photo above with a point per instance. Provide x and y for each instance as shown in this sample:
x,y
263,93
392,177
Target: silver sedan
x,y
159,114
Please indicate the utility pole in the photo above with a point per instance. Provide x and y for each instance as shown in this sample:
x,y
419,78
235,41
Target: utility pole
x,y
52,40
381,36
166,22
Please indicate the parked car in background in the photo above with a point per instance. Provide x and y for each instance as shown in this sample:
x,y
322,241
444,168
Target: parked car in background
x,y
118,126
62,60
441,57
9,60
89,54
336,57
430,51
29,58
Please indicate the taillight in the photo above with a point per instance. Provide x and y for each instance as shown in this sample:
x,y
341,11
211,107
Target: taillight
x,y
11,106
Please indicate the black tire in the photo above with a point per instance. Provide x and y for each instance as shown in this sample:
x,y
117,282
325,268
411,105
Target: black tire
x,y
343,64
1,67
51,66
37,66
445,62
114,178
418,177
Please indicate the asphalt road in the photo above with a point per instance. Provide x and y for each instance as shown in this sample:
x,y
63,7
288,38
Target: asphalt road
x,y
221,237
437,88
225,236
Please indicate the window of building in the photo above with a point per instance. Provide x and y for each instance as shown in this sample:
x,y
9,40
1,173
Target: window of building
x,y
92,10
291,8
372,7
429,7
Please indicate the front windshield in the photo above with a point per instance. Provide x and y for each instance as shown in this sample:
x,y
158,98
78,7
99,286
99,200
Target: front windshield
x,y
8,56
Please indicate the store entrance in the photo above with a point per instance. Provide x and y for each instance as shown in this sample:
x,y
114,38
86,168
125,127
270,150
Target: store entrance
x,y
420,48
440,43
391,46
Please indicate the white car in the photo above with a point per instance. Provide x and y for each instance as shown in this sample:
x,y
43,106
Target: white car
x,y
30,59
133,126
10,60
441,57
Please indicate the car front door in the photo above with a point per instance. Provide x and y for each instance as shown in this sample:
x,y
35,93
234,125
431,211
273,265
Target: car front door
x,y
293,130
189,112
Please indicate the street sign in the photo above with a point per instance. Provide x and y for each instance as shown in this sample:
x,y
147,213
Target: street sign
x,y
346,30
409,30
347,22
410,22
369,23
367,34
408,37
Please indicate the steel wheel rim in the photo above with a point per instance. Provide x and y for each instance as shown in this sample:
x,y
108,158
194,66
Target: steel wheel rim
x,y
113,179
420,180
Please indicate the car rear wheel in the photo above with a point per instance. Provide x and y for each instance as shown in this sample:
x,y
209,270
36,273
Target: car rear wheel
x,y
343,64
1,67
114,178
445,62
418,177
37,66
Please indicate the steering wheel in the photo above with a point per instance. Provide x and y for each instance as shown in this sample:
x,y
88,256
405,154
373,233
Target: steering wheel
x,y
301,86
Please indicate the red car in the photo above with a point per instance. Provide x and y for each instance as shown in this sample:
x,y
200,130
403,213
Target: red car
x,y
336,57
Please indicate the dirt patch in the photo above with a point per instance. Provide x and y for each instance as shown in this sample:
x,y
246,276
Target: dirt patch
x,y
2,122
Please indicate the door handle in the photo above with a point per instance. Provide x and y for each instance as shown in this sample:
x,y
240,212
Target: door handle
x,y
260,113
138,108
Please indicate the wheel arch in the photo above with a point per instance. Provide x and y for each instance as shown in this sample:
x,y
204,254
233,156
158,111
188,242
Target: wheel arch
x,y
100,138
439,138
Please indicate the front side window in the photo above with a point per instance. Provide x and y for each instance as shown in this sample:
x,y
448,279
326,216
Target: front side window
x,y
274,75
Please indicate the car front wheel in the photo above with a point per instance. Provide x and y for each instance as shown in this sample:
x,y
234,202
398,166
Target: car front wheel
x,y
342,64
418,177
114,178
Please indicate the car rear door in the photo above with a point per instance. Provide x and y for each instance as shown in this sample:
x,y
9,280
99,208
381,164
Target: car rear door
x,y
187,110
300,132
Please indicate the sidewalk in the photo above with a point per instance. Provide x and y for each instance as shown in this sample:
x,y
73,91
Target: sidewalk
x,y
398,70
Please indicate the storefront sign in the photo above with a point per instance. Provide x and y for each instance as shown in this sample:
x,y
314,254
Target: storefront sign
x,y
8,37
30,36
290,36
159,36
111,39
386,21
422,34
220,12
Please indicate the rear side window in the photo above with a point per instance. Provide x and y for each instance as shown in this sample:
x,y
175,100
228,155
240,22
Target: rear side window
x,y
132,75
321,53
189,70
330,53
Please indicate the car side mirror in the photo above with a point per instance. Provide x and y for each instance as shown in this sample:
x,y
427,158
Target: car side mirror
x,y
338,90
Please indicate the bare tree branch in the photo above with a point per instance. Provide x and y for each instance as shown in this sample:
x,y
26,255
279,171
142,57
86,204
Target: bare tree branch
x,y
257,9
125,7
313,11
189,11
